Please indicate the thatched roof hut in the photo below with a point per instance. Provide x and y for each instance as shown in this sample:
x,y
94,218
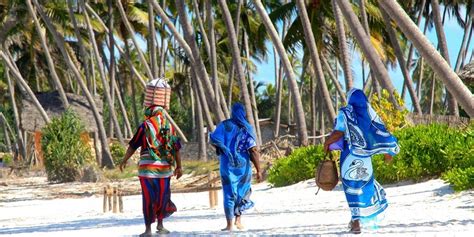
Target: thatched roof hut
x,y
31,119
467,74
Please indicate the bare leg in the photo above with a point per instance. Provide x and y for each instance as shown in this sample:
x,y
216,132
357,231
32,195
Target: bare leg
x,y
237,223
229,225
160,228
355,228
147,231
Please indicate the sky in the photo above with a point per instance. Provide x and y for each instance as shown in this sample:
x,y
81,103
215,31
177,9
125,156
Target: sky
x,y
454,34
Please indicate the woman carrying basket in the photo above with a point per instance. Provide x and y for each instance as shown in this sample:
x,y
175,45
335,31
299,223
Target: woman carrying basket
x,y
159,161
364,135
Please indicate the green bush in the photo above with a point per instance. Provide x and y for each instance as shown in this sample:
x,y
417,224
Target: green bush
x,y
65,151
118,152
460,179
427,151
298,166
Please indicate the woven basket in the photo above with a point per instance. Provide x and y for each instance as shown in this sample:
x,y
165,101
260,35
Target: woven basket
x,y
326,175
157,96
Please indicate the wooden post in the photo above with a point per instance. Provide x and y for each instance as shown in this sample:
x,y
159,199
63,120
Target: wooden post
x,y
115,199
120,200
105,200
109,196
214,191
213,198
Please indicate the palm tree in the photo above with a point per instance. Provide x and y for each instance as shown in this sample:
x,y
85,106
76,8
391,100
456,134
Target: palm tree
x,y
313,50
49,58
362,38
443,45
430,54
343,51
401,62
237,62
106,156
199,64
301,121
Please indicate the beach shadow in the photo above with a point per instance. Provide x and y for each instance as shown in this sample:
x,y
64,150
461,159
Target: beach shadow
x,y
73,225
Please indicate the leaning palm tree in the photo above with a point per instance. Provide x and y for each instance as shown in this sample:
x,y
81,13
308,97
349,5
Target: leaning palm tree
x,y
301,121
344,52
59,40
443,45
237,61
449,78
315,58
378,67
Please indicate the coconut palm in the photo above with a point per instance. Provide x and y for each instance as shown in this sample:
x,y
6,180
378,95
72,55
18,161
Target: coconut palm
x,y
301,121
430,54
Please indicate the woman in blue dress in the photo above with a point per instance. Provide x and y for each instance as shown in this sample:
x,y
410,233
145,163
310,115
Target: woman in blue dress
x,y
364,135
236,143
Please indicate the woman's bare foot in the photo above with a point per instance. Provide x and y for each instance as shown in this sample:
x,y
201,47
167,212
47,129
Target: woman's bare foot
x,y
229,226
147,231
238,224
355,227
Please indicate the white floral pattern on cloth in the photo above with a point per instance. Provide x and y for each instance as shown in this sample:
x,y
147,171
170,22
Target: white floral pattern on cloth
x,y
245,142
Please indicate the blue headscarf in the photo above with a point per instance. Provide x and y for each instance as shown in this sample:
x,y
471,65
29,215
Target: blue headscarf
x,y
366,133
227,133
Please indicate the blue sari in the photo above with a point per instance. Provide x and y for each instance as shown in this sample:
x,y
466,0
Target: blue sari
x,y
364,135
233,139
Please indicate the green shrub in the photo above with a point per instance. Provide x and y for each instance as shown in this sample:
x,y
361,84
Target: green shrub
x,y
427,151
460,179
298,166
118,152
65,151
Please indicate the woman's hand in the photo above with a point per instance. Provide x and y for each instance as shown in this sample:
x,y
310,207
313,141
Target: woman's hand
x,y
335,135
259,177
178,172
123,164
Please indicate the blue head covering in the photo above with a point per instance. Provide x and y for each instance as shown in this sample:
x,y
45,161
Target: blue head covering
x,y
239,117
366,133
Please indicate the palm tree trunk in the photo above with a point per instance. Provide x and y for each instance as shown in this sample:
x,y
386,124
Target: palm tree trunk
x,y
230,81
377,66
152,40
419,85
252,90
198,62
401,61
213,56
6,133
313,51
202,100
343,50
411,50
16,116
433,58
432,96
19,78
105,85
205,39
301,121
237,61
106,156
131,32
333,77
463,48
47,53
201,138
443,45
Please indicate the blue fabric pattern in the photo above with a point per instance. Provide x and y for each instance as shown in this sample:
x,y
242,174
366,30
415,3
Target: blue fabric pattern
x,y
364,135
234,137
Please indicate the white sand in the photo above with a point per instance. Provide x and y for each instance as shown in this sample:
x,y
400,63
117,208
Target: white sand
x,y
425,209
